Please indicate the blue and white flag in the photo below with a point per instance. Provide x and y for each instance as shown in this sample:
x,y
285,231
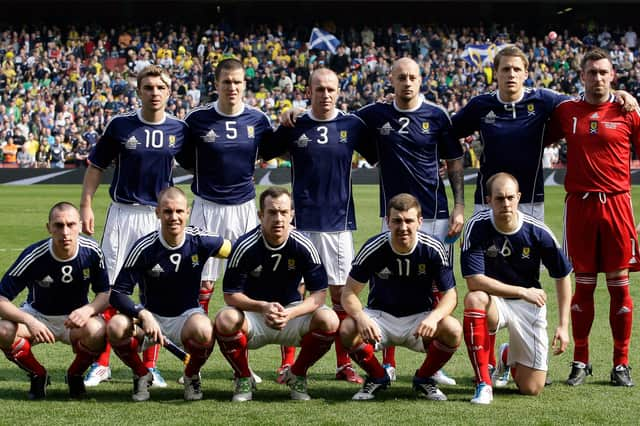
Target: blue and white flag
x,y
480,54
323,40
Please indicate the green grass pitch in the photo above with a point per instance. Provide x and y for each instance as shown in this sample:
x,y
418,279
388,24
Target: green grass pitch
x,y
24,216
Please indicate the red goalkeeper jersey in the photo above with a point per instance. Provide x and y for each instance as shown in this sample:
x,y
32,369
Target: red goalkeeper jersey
x,y
599,139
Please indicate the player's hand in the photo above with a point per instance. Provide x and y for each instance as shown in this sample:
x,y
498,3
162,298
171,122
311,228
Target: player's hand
x,y
456,222
427,327
151,327
78,318
275,315
537,296
368,329
288,118
560,340
40,333
628,102
87,218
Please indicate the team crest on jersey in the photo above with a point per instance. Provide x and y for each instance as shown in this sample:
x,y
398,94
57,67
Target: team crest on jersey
x,y
593,127
386,129
210,136
131,143
86,273
155,271
343,136
251,132
384,274
172,141
526,252
45,282
195,261
492,251
302,141
425,127
531,109
256,272
422,269
490,118
291,264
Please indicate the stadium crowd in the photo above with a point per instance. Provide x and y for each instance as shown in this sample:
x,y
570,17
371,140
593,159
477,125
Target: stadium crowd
x,y
60,86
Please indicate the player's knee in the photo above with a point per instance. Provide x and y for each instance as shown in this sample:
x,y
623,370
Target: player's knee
x,y
8,332
530,388
326,320
229,320
348,332
95,329
450,331
118,327
199,328
476,300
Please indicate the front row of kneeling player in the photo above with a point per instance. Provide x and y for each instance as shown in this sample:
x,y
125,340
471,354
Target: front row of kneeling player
x,y
501,255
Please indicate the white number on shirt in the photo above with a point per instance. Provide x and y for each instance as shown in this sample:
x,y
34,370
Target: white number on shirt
x,y
278,259
66,274
175,258
404,122
323,130
407,265
230,127
155,138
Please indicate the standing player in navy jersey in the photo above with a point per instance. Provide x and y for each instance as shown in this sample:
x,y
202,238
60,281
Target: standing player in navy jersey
x,y
143,144
166,265
57,273
600,232
412,136
264,305
222,149
321,146
401,267
501,254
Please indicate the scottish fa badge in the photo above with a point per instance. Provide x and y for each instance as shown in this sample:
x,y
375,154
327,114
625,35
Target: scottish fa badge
x,y
422,269
86,273
291,264
593,127
531,109
343,136
251,133
425,127
526,252
172,141
195,261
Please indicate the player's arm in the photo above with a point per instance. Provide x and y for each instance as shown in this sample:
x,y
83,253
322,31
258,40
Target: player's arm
x,y
455,170
78,317
447,303
309,304
626,99
288,118
481,282
561,336
225,250
40,333
90,184
350,301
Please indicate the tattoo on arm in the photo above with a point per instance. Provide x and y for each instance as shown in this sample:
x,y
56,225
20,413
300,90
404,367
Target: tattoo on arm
x,y
456,179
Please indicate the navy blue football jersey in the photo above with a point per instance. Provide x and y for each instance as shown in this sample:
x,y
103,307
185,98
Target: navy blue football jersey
x,y
402,284
168,277
222,150
56,287
143,154
512,258
321,154
273,274
410,145
512,136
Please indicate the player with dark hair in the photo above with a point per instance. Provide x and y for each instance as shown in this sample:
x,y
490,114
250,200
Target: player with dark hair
x,y
264,305
222,149
599,226
143,144
501,254
57,273
321,146
157,262
401,266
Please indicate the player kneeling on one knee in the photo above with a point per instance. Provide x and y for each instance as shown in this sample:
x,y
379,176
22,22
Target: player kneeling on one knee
x,y
57,273
167,265
501,255
264,306
401,266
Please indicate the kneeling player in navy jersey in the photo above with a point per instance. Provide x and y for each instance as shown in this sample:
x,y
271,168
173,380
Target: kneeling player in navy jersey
x,y
166,264
57,273
501,254
261,288
401,266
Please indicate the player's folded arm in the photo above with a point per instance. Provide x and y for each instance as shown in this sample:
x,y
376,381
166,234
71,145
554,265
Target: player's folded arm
x,y
123,303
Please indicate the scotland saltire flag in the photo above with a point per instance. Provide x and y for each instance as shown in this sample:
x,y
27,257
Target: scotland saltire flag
x,y
323,40
480,54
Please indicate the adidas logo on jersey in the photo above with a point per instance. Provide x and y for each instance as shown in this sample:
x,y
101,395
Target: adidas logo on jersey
x,y
595,115
256,272
131,143
384,274
210,136
45,282
156,271
490,118
302,141
386,129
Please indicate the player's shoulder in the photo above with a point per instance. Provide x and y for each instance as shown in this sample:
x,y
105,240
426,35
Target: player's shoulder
x,y
200,110
478,220
90,244
536,226
371,246
30,256
374,107
122,119
303,243
244,245
139,247
172,119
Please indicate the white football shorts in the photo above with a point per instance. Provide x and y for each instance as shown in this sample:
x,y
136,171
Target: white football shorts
x,y
55,323
397,331
125,224
228,221
336,252
172,326
527,324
